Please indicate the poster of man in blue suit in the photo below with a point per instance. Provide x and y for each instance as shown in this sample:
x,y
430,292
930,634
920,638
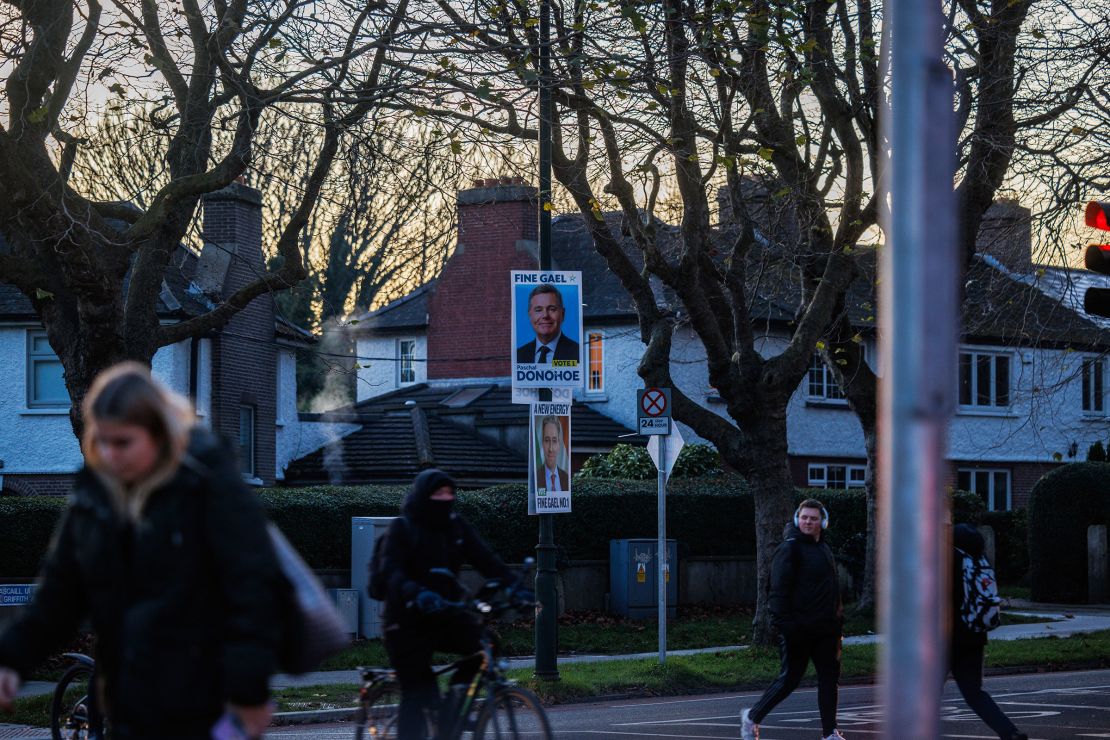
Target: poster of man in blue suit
x,y
547,329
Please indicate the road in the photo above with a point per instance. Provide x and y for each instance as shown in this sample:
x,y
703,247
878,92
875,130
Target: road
x,y
1048,706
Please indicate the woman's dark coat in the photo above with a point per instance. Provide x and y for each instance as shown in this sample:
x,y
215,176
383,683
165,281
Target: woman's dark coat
x,y
183,602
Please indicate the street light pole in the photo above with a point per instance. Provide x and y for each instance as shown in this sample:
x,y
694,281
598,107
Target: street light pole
x,y
919,320
546,625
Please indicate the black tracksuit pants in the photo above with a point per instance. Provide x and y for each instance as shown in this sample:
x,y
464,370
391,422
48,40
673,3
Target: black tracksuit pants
x,y
797,651
966,664
410,652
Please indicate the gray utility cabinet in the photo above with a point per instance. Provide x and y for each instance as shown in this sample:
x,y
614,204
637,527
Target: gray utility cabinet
x,y
346,604
633,588
364,532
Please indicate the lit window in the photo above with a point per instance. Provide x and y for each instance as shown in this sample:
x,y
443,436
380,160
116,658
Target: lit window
x,y
246,440
1094,376
596,355
406,353
984,380
820,384
46,385
993,486
837,476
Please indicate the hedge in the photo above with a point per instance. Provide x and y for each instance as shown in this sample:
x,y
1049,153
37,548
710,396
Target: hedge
x,y
1062,505
26,526
708,516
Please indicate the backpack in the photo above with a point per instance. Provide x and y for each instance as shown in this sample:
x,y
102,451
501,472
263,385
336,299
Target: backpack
x,y
378,583
980,610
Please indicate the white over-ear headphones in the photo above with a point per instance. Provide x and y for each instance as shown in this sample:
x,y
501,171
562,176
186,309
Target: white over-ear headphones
x,y
824,515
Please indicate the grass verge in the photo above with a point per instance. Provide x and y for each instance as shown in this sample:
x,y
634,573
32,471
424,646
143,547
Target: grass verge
x,y
599,634
749,669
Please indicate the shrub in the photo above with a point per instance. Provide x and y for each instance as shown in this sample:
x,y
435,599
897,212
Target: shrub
x,y
1096,453
631,462
1011,540
697,460
1063,504
708,516
26,525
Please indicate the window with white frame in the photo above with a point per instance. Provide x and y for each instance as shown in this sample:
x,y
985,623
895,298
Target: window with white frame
x,y
984,380
246,440
992,485
823,475
1094,385
46,385
596,364
820,384
406,356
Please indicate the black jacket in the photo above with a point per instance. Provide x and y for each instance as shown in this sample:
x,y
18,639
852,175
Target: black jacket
x,y
805,588
966,538
422,540
182,602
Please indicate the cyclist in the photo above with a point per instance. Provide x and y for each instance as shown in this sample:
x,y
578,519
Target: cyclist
x,y
430,536
165,551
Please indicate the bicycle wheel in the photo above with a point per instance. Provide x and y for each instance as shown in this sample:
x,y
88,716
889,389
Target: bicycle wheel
x,y
70,708
377,714
513,712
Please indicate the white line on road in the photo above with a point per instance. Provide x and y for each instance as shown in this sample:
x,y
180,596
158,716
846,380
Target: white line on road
x,y
1055,706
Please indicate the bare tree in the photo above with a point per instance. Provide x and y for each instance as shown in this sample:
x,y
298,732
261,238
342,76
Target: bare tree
x,y
675,100
211,74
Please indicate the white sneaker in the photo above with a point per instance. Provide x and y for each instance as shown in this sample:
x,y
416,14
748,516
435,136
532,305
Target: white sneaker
x,y
835,736
748,730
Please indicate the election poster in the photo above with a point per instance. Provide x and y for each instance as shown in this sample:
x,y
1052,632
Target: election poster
x,y
547,330
550,474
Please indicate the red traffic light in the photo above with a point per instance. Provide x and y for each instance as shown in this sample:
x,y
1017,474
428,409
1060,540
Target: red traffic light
x,y
1097,215
1097,256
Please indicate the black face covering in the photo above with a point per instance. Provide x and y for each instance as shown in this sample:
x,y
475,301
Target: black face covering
x,y
419,504
439,512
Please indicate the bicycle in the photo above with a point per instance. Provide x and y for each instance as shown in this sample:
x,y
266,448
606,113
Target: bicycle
x,y
73,712
492,706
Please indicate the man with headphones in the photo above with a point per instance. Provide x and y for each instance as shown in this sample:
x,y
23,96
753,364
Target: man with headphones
x,y
806,610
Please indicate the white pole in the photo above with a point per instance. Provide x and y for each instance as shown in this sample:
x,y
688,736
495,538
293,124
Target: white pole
x,y
918,342
661,552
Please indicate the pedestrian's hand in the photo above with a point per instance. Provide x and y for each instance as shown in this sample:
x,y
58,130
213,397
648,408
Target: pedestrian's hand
x,y
254,719
9,687
429,602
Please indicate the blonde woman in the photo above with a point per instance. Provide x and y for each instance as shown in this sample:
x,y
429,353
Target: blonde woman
x,y
164,550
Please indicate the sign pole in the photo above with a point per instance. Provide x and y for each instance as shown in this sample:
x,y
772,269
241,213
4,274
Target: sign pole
x,y
661,553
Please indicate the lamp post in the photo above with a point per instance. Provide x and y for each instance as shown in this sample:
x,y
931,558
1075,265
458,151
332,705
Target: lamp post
x,y
547,627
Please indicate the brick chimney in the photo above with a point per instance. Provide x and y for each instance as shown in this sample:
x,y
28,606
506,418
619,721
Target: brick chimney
x,y
469,313
1006,234
244,357
232,228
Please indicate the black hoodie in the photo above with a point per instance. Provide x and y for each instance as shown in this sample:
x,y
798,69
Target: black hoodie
x,y
429,535
805,588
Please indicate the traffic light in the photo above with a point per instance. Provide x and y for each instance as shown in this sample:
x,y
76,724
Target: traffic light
x,y
1097,259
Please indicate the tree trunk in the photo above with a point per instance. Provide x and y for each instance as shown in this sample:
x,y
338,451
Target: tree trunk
x,y
772,487
866,602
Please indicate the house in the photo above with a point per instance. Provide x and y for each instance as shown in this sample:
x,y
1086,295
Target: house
x,y
1031,379
242,378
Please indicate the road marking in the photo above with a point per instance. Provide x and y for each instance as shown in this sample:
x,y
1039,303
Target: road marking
x,y
1055,706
